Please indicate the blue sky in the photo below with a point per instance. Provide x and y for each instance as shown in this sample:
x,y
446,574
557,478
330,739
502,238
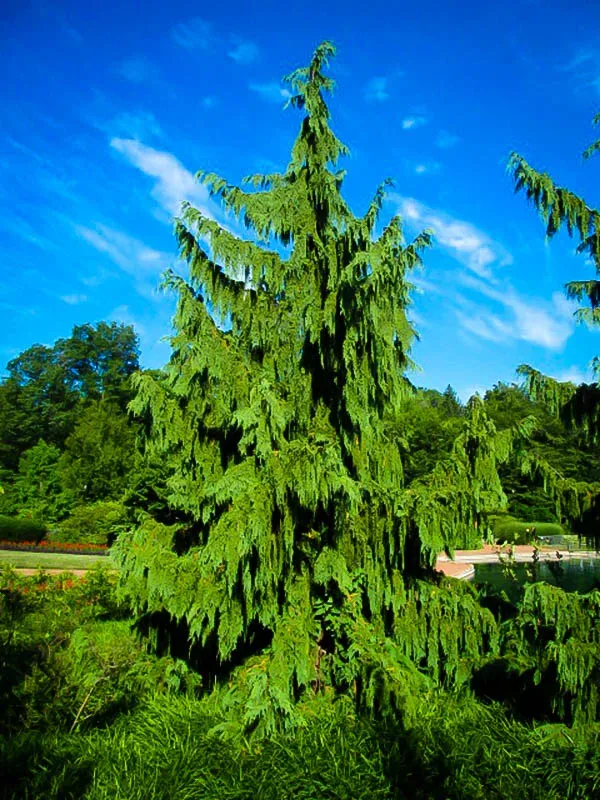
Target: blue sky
x,y
107,111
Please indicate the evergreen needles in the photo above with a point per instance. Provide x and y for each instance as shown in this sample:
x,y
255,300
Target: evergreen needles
x,y
277,417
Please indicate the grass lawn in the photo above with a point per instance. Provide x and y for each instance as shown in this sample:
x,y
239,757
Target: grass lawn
x,y
64,561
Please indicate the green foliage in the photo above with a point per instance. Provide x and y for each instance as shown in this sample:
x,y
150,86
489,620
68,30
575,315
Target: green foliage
x,y
69,659
167,751
579,406
553,476
100,359
96,523
46,386
556,635
427,425
514,531
457,748
35,403
18,529
102,672
99,454
39,487
560,207
471,751
279,419
8,497
147,491
96,714
446,631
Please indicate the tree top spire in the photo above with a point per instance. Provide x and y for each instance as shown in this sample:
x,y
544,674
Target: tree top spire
x,y
308,83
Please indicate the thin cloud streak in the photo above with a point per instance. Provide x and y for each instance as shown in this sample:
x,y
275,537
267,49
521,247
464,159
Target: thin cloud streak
x,y
412,122
462,240
127,252
376,90
245,53
74,299
548,324
512,317
173,182
194,34
271,92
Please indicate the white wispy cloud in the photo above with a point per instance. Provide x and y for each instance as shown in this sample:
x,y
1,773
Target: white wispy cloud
x,y
423,286
96,278
546,323
376,90
490,308
244,52
585,67
194,34
409,123
272,92
484,325
173,182
446,140
127,252
71,32
581,57
571,375
427,167
463,241
137,69
74,299
16,225
131,124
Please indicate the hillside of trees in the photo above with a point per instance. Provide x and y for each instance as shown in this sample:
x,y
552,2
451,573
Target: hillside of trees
x,y
275,499
73,457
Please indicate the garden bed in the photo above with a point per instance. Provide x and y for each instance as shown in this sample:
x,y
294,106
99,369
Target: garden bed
x,y
68,548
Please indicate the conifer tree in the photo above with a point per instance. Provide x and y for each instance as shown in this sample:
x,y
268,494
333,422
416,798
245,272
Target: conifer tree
x,y
560,208
577,406
301,558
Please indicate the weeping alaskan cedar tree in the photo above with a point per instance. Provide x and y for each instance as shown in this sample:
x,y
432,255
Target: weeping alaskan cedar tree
x,y
578,406
303,562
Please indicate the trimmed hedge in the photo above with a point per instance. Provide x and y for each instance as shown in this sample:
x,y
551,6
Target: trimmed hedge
x,y
515,531
16,529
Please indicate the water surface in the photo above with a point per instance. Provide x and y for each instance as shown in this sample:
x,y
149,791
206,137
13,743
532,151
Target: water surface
x,y
573,575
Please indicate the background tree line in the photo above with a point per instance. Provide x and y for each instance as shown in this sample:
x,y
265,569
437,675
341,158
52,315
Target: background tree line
x,y
72,456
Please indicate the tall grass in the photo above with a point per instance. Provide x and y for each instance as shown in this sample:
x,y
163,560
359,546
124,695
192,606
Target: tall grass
x,y
82,718
458,749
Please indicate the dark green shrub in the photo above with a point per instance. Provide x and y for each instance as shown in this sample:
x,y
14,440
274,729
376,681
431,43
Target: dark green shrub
x,y
466,750
515,531
97,523
52,766
101,672
18,529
